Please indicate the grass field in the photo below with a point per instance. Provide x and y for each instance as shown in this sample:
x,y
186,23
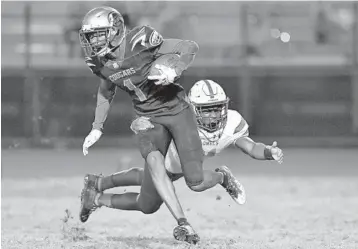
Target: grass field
x,y
310,201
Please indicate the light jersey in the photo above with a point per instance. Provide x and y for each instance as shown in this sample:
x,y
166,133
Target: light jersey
x,y
210,148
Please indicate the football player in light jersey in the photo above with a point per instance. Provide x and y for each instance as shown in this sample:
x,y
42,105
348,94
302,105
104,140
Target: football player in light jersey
x,y
218,128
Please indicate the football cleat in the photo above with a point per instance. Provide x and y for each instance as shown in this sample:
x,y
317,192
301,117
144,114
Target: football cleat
x,y
92,181
232,185
186,233
88,197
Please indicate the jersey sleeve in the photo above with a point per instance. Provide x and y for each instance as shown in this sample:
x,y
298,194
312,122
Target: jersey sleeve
x,y
238,126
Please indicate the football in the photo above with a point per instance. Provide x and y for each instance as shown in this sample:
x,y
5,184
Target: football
x,y
168,60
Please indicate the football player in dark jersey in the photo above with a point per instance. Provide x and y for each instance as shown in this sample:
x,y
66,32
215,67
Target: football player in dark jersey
x,y
124,59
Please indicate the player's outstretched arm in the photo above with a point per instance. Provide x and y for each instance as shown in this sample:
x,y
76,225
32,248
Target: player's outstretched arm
x,y
105,95
184,48
260,151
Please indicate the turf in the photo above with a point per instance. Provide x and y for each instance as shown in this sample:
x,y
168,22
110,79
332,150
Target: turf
x,y
310,201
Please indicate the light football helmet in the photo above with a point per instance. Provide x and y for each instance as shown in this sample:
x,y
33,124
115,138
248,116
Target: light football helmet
x,y
210,104
102,30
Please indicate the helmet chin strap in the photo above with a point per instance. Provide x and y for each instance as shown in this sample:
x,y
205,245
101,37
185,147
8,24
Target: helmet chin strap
x,y
104,51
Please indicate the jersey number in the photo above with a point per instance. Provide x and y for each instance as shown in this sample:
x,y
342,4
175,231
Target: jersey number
x,y
128,83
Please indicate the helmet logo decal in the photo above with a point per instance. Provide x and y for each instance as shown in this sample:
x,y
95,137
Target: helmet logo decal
x,y
211,91
114,19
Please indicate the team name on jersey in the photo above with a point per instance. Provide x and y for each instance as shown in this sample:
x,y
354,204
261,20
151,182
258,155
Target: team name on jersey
x,y
211,143
122,74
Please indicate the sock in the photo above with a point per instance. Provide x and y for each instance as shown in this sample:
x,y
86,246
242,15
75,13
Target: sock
x,y
223,178
126,201
103,200
130,177
182,221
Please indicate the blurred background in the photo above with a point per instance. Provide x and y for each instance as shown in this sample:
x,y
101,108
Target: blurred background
x,y
290,68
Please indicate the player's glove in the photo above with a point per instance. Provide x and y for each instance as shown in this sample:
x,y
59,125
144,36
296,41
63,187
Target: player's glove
x,y
166,77
276,152
141,124
92,138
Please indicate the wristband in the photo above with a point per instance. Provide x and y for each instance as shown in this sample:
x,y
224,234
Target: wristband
x,y
268,154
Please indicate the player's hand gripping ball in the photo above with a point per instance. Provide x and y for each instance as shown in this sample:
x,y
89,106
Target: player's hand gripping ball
x,y
162,70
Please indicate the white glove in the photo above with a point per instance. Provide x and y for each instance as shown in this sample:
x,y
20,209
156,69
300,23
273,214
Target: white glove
x,y
276,152
166,77
92,138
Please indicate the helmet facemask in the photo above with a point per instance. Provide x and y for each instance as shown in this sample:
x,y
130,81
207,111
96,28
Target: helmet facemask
x,y
98,41
211,117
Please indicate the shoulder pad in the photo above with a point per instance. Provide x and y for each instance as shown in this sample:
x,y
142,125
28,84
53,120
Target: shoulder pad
x,y
242,126
144,36
236,123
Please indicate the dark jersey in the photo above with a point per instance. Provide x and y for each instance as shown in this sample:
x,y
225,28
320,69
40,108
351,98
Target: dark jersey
x,y
130,74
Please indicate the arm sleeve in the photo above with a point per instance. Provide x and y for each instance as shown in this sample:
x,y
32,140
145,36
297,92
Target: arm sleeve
x,y
106,93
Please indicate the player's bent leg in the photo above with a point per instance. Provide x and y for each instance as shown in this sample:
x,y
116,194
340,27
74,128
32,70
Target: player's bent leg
x,y
144,202
188,144
154,143
127,201
147,201
92,198
153,150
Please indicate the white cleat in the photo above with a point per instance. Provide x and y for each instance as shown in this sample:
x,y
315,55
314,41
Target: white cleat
x,y
232,185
